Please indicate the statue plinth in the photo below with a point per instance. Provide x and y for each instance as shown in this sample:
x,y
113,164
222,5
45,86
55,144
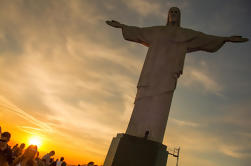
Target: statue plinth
x,y
127,150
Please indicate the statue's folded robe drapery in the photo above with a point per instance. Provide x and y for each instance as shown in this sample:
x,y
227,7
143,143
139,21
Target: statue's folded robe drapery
x,y
164,61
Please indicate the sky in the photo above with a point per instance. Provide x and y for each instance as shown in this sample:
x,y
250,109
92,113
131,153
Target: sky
x,y
70,80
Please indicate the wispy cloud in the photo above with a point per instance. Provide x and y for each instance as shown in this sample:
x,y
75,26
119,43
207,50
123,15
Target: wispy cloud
x,y
159,9
144,8
183,123
200,76
8,106
234,151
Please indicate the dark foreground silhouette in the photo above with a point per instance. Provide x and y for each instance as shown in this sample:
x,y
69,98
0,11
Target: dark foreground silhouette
x,y
18,155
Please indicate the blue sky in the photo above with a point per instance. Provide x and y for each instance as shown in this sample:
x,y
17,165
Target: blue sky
x,y
66,75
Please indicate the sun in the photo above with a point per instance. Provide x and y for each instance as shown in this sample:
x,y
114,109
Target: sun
x,y
35,140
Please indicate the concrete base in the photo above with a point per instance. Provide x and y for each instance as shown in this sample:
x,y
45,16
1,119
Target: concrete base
x,y
126,150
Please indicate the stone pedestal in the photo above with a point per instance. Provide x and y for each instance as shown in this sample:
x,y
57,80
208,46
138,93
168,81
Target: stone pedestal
x,y
126,150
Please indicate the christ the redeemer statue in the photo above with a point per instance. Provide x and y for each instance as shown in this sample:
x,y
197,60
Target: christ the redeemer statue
x,y
163,65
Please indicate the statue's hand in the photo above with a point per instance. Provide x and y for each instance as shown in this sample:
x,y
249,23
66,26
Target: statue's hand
x,y
114,23
237,39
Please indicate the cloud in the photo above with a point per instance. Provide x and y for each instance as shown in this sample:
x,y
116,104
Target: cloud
x,y
8,106
182,4
144,8
236,114
200,143
208,83
202,77
183,123
234,151
69,81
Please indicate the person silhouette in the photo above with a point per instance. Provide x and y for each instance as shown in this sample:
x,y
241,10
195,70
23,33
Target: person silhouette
x,y
5,150
28,158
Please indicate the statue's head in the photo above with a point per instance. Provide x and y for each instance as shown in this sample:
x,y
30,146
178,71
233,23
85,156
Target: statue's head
x,y
173,16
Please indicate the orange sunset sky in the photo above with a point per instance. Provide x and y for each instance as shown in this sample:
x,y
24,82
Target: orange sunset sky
x,y
69,80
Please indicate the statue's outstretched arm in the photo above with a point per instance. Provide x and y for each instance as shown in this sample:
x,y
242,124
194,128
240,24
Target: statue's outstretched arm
x,y
236,39
210,43
136,34
115,24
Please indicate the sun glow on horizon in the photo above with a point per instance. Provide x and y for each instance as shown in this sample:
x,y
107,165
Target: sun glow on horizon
x,y
35,140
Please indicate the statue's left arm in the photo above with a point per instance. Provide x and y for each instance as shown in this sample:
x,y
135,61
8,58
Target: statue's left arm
x,y
209,43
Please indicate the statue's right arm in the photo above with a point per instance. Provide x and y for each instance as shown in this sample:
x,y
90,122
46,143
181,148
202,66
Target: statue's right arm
x,y
135,34
115,24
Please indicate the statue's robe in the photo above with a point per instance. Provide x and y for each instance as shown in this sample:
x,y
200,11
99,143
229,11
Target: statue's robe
x,y
163,65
